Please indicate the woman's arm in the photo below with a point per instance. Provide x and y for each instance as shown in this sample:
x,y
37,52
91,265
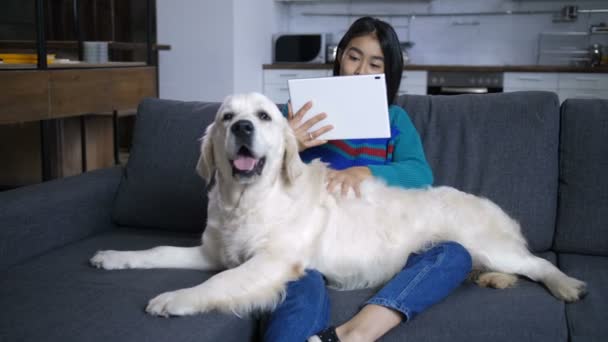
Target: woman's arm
x,y
409,167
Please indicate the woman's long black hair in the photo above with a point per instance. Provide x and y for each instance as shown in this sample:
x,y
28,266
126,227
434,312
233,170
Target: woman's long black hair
x,y
389,43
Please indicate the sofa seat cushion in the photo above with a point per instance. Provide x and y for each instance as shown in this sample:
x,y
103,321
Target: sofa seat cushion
x,y
59,297
587,318
582,220
500,146
160,187
526,312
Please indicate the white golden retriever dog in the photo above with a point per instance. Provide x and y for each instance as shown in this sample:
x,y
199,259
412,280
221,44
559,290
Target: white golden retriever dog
x,y
270,217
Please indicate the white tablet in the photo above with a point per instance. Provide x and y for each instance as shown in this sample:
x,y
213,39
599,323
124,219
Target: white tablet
x,y
356,106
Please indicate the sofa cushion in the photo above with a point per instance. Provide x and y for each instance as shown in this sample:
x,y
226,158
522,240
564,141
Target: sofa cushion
x,y
526,312
500,146
59,297
587,318
160,187
582,218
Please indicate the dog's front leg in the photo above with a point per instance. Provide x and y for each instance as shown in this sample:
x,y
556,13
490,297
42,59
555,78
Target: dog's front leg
x,y
258,284
200,258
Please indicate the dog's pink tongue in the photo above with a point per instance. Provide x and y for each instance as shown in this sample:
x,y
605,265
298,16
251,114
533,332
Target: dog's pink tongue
x,y
244,163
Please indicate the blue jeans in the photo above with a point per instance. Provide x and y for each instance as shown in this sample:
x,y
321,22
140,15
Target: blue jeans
x,y
426,279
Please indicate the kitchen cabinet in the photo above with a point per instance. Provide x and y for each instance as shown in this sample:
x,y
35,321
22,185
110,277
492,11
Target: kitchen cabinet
x,y
565,85
275,81
582,86
413,83
276,88
518,81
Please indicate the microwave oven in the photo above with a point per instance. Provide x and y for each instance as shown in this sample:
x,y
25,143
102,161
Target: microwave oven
x,y
299,47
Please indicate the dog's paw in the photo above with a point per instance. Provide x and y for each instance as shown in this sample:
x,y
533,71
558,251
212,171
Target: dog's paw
x,y
111,260
176,303
568,289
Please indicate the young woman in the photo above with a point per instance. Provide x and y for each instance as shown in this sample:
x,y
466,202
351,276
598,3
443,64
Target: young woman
x,y
370,46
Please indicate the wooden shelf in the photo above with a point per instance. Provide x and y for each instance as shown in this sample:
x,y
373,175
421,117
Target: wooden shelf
x,y
31,95
73,65
73,44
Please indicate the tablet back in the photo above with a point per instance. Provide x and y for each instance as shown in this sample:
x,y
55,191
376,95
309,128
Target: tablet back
x,y
356,106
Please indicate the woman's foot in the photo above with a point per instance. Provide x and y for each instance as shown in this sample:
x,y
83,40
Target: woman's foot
x,y
369,324
327,335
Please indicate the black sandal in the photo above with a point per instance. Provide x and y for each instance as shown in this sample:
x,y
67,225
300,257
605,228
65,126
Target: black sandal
x,y
328,335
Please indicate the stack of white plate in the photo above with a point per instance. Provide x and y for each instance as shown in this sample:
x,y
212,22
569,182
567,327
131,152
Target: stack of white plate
x,y
96,52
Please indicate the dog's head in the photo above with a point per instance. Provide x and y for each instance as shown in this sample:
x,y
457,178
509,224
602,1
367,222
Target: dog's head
x,y
249,141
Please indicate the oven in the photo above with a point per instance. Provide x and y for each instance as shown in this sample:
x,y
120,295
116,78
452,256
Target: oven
x,y
464,82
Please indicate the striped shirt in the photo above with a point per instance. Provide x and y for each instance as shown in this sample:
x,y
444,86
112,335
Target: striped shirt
x,y
398,160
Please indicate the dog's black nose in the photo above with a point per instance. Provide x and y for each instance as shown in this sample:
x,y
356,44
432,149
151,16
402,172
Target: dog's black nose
x,y
242,128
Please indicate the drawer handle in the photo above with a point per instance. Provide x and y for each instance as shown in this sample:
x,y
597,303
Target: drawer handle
x,y
586,79
530,78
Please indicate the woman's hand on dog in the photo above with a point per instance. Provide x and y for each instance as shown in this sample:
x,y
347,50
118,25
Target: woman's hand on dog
x,y
305,138
346,179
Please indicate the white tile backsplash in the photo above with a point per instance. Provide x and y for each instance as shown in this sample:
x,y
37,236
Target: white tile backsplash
x,y
460,40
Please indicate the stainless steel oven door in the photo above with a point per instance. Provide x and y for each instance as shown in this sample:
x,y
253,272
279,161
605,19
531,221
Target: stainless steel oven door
x,y
462,90
464,82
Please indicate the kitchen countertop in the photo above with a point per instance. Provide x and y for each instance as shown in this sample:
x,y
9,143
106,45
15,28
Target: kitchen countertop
x,y
484,68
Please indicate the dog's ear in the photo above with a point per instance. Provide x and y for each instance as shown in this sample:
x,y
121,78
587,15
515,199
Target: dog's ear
x,y
206,161
292,164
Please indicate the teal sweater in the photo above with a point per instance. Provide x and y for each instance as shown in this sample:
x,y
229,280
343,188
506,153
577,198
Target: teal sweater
x,y
398,160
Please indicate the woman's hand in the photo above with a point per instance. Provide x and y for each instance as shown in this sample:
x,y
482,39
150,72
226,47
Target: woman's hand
x,y
305,138
347,179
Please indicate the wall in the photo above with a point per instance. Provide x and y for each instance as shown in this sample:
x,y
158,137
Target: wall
x,y
199,65
217,47
255,21
500,39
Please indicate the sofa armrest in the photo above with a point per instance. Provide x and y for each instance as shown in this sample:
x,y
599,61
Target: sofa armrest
x,y
38,218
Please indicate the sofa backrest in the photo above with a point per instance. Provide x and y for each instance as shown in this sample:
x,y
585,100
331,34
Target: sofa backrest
x,y
582,220
500,146
503,146
160,187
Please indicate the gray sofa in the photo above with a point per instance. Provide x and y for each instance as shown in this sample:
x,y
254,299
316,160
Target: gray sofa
x,y
545,165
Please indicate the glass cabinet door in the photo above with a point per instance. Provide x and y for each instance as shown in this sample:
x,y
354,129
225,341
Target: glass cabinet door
x,y
18,35
78,33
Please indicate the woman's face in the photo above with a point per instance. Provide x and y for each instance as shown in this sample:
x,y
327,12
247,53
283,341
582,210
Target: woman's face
x,y
362,56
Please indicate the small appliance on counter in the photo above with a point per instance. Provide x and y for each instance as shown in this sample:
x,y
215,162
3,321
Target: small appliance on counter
x,y
595,55
331,52
300,47
405,46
